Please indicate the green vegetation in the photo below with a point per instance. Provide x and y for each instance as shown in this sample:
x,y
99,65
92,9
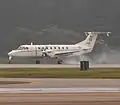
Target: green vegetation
x,y
59,73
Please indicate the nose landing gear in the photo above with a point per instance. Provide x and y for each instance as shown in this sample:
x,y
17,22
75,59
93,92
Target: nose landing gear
x,y
10,59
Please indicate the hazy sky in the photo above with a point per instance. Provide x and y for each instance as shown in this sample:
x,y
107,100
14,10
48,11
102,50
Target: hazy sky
x,y
82,15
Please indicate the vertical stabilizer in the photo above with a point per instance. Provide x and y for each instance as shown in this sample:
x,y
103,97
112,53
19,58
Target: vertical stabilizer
x,y
90,40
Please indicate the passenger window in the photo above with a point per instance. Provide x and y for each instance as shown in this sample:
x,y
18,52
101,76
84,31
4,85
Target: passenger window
x,y
27,48
38,47
62,47
50,47
66,47
46,47
54,47
58,47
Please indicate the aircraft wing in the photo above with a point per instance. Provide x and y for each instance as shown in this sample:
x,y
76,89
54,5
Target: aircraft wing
x,y
65,53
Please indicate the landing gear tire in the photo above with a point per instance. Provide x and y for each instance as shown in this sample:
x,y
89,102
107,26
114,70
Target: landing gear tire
x,y
37,62
10,62
59,62
10,59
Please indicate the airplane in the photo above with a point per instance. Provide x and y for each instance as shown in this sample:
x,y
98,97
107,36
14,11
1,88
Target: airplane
x,y
56,51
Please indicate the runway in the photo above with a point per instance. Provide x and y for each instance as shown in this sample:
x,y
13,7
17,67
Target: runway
x,y
61,83
50,91
57,66
61,99
60,92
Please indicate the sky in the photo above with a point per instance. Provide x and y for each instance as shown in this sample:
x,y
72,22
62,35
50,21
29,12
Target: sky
x,y
77,15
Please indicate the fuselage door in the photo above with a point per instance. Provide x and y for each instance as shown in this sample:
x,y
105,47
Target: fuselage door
x,y
32,50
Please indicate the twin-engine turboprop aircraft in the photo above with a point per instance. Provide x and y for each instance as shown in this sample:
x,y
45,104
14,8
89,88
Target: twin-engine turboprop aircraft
x,y
56,51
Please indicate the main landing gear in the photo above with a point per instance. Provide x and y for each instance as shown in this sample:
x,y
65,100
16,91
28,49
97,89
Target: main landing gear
x,y
37,61
59,62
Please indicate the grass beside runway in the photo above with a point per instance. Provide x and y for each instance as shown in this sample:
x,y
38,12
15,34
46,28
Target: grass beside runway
x,y
59,73
13,82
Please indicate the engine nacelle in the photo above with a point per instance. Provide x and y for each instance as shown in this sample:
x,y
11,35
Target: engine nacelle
x,y
51,54
48,53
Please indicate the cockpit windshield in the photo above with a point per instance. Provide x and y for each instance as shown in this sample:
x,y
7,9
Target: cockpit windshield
x,y
22,48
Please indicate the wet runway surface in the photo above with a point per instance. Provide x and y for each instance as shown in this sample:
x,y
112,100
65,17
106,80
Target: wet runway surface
x,y
57,66
61,99
61,83
60,92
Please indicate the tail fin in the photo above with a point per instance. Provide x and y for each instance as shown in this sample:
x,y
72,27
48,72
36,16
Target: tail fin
x,y
89,42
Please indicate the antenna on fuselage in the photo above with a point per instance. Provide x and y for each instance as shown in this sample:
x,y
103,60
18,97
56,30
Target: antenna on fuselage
x,y
31,43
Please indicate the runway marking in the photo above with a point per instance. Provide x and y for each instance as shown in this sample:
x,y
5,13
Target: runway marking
x,y
56,90
35,83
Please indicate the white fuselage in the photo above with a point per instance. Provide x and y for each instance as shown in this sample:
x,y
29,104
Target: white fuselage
x,y
40,50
